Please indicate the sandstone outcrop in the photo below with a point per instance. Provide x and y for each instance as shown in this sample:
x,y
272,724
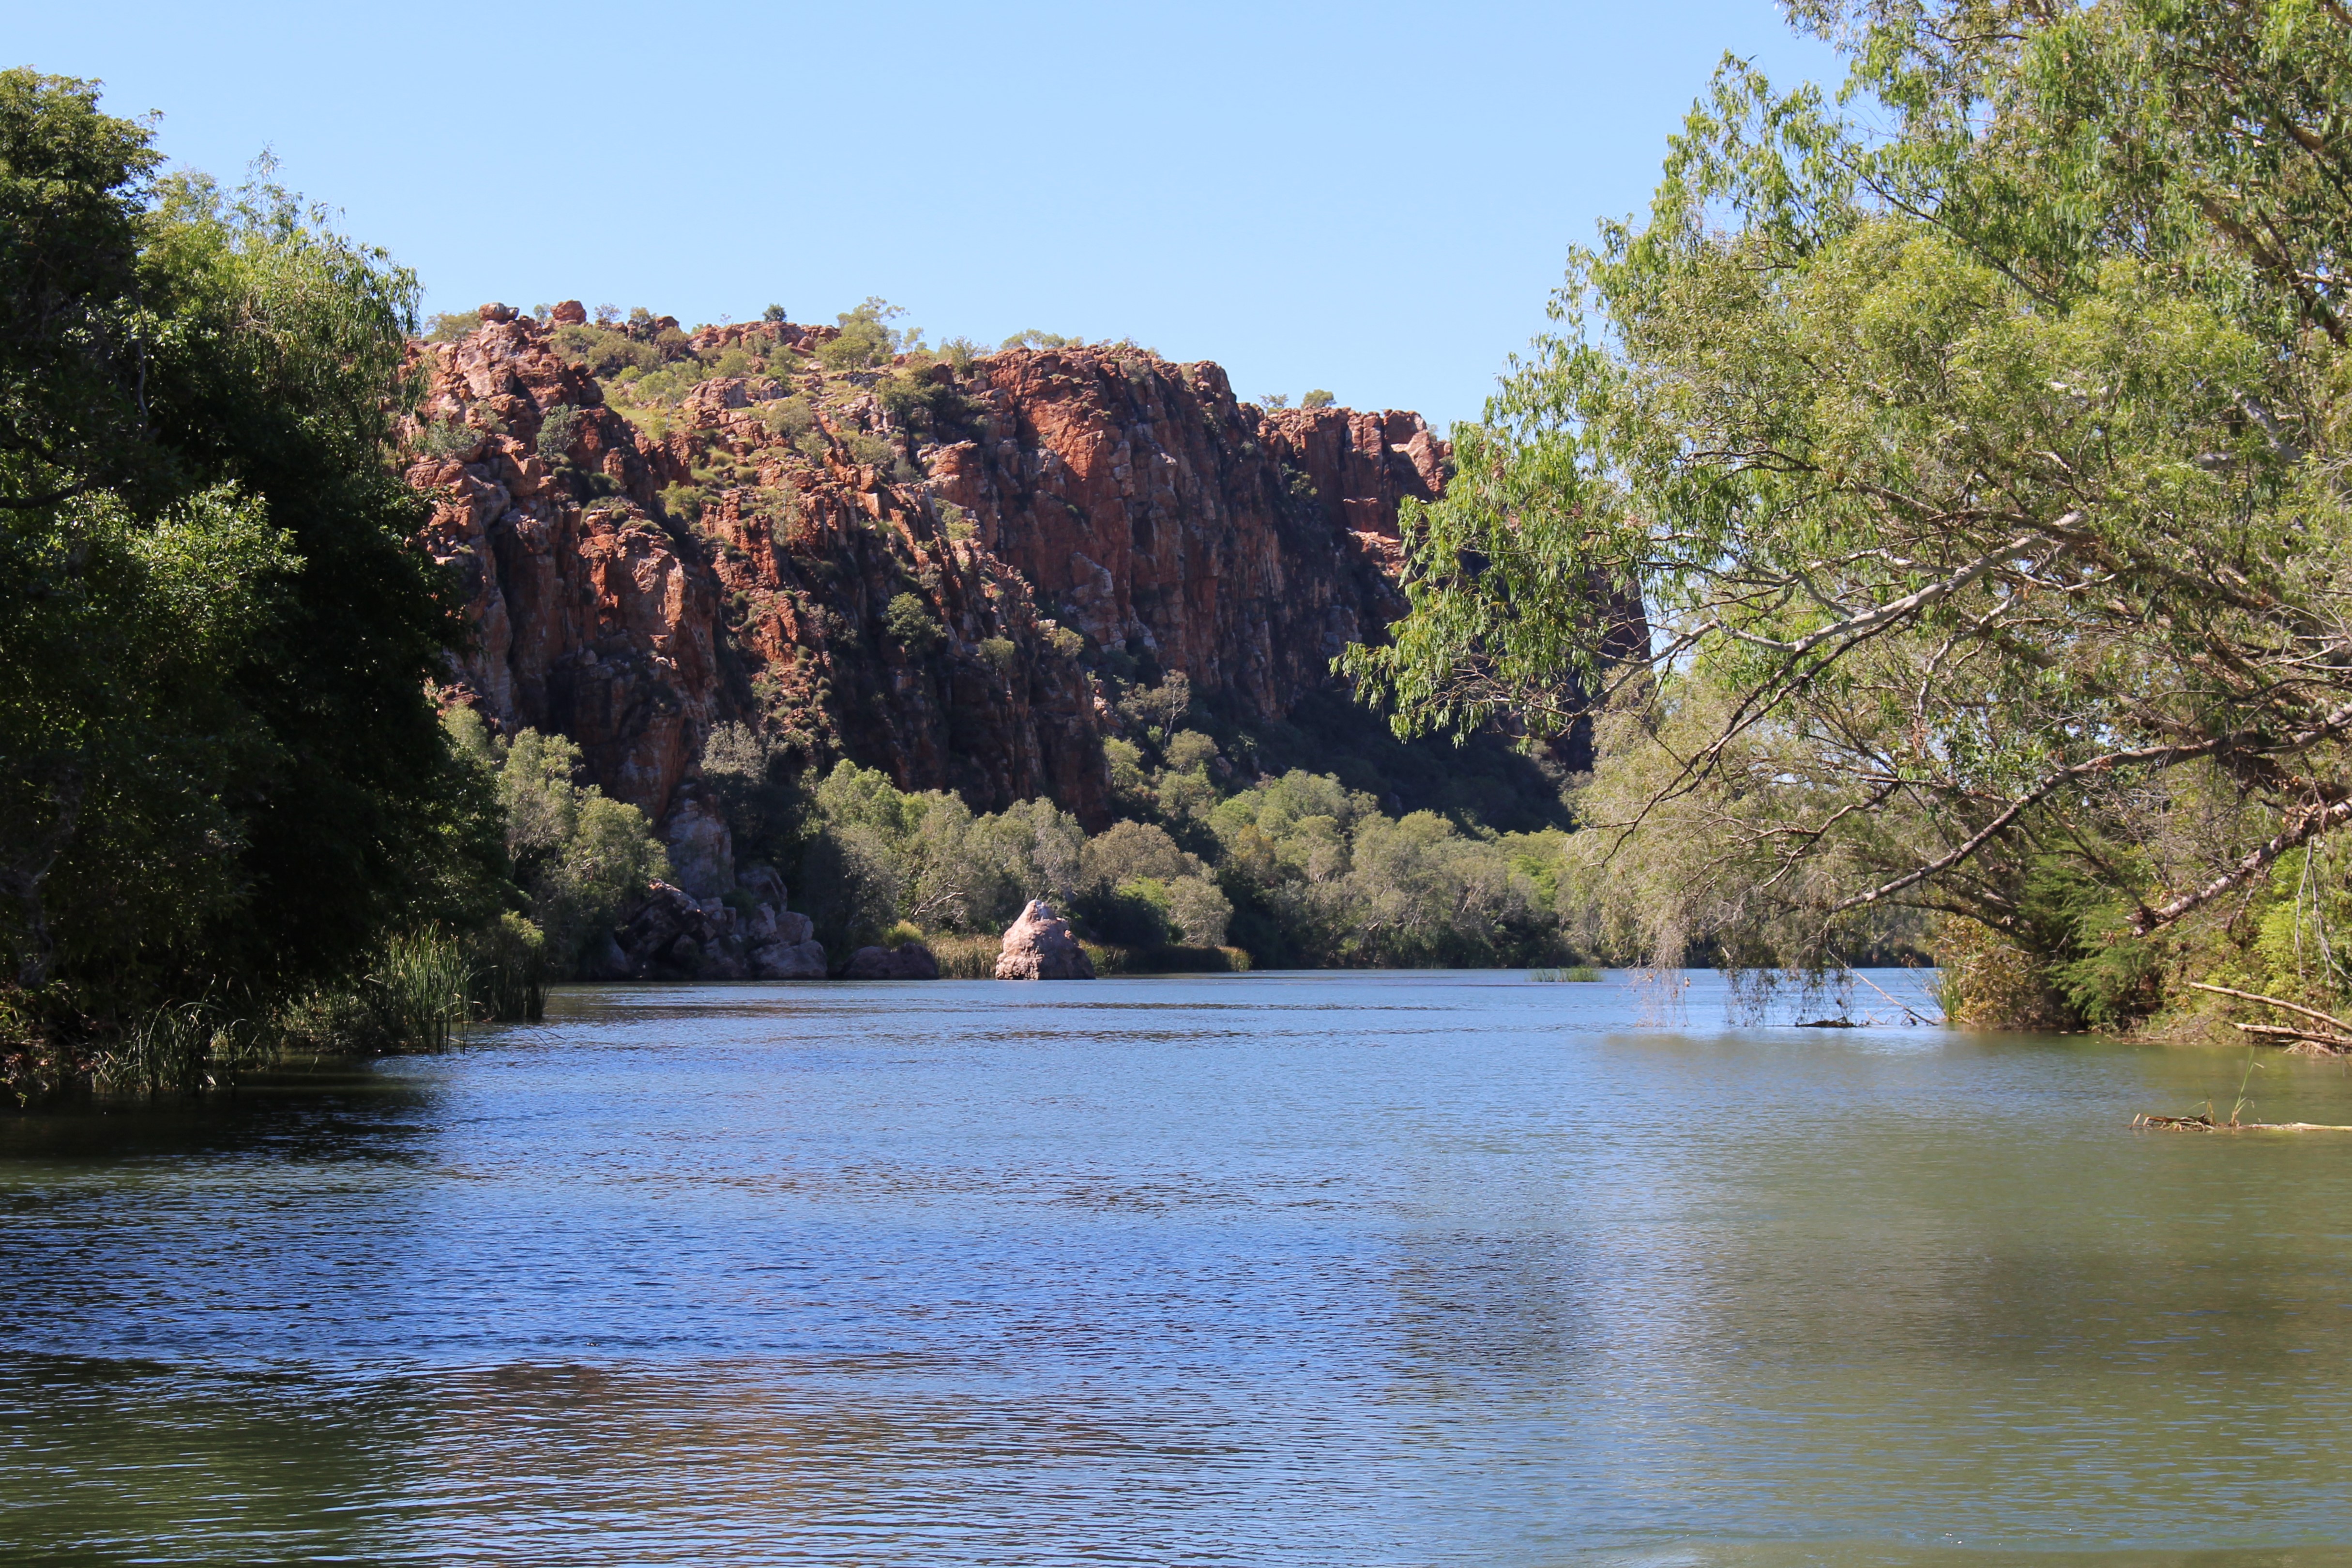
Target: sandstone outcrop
x,y
1039,946
908,961
726,550
673,935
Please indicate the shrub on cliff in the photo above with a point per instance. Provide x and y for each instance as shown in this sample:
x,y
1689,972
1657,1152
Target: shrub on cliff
x,y
910,623
195,387
865,340
557,431
604,352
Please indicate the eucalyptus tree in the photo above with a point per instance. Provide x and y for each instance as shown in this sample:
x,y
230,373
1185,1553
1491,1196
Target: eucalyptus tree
x,y
219,770
1976,443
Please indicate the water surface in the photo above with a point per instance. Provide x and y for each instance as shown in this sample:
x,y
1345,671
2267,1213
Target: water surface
x,y
1281,1269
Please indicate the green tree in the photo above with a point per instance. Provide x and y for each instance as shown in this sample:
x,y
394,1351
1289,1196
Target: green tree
x,y
196,392
1978,481
866,339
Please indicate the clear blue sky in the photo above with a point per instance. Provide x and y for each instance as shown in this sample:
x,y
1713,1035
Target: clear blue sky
x,y
1370,197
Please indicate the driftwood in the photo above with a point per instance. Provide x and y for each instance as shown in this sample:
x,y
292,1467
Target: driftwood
x,y
2207,1124
2330,1044
2307,1043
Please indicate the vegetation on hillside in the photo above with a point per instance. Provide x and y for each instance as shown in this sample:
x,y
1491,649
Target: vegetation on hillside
x,y
1977,443
1293,868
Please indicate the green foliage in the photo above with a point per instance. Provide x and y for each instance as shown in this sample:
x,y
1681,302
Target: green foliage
x,y
922,399
557,431
1275,400
867,340
1319,875
122,718
1034,339
421,983
579,858
1002,652
604,353
177,1049
790,416
451,325
876,855
508,964
683,502
1966,479
748,774
773,313
454,437
224,777
1299,870
910,623
1318,398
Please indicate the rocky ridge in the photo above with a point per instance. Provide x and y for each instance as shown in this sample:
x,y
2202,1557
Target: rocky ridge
x,y
942,569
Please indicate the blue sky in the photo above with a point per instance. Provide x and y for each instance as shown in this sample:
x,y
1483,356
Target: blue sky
x,y
1369,197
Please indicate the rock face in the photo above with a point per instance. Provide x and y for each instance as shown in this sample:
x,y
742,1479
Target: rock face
x,y
908,961
1039,946
730,550
673,935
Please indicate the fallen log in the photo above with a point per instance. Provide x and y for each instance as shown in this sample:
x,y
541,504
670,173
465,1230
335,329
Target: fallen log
x,y
2207,1124
2328,1019
2326,1045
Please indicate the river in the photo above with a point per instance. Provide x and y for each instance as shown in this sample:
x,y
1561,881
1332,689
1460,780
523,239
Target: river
x,y
1400,1269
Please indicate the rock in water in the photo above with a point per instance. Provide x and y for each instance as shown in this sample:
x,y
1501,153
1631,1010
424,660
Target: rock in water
x,y
1039,946
908,961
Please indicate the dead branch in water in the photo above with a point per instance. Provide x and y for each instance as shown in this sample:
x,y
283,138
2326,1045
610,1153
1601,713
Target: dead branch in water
x,y
2307,1043
2207,1124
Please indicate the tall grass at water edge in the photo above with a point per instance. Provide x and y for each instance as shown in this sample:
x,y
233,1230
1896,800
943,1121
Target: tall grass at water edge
x,y
423,986
1582,973
179,1050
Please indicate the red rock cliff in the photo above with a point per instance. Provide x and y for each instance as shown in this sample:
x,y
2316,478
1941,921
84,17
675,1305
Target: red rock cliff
x,y
729,542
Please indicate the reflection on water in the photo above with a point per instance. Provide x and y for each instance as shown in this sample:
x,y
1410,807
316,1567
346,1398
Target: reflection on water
x,y
1393,1270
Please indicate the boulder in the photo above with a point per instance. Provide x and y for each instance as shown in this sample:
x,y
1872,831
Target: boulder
x,y
701,850
673,935
1039,946
787,960
908,961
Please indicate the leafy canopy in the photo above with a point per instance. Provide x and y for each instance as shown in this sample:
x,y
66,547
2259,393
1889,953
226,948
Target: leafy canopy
x,y
1980,479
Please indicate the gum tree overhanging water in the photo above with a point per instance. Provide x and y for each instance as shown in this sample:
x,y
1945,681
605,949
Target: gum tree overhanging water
x,y
1977,441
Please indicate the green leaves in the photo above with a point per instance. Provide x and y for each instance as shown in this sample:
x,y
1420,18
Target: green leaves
x,y
1969,468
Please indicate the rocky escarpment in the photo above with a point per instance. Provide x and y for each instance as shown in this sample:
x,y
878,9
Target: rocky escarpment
x,y
942,568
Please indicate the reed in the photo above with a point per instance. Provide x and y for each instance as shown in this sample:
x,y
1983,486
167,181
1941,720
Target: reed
x,y
421,982
509,971
1582,974
966,957
178,1050
1108,958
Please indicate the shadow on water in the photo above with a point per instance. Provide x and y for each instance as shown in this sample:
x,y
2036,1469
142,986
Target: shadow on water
x,y
1378,1269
